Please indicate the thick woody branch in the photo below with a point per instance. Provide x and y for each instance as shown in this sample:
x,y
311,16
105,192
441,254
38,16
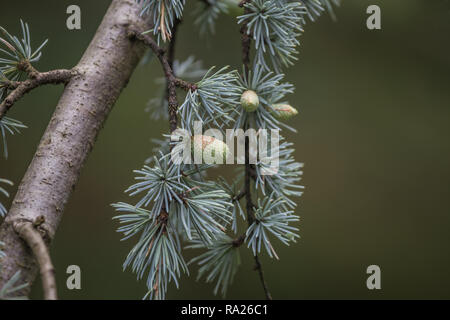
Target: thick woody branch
x,y
37,79
172,81
102,73
32,237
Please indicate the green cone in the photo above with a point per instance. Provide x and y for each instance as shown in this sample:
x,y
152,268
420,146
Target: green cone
x,y
250,101
283,111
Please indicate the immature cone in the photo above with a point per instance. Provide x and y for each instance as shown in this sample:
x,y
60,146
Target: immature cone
x,y
249,101
283,111
211,148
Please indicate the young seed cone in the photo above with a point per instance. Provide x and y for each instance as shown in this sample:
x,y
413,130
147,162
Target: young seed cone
x,y
250,101
283,111
211,149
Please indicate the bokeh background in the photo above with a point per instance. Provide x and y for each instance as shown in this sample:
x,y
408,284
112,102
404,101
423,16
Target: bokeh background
x,y
373,132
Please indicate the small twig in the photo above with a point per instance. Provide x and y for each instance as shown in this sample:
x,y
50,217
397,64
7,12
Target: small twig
x,y
171,58
28,232
239,196
249,170
251,216
258,267
172,81
37,79
238,241
28,68
245,40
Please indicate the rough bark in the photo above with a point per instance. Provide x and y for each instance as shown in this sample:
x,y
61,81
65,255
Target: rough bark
x,y
103,72
38,79
30,234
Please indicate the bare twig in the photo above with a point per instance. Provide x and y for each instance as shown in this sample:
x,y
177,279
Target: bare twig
x,y
172,81
171,57
20,88
258,267
34,240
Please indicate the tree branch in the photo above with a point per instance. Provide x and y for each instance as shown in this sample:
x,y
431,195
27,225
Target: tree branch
x,y
246,43
258,267
246,40
239,196
27,231
103,72
172,81
170,60
20,88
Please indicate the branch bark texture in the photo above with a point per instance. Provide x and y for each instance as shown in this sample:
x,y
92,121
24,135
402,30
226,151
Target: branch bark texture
x,y
39,79
28,232
102,73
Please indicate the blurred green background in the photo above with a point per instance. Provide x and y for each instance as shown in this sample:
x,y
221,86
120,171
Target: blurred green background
x,y
373,132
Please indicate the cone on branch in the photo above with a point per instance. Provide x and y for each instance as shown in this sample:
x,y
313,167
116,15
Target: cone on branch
x,y
210,148
250,101
283,111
